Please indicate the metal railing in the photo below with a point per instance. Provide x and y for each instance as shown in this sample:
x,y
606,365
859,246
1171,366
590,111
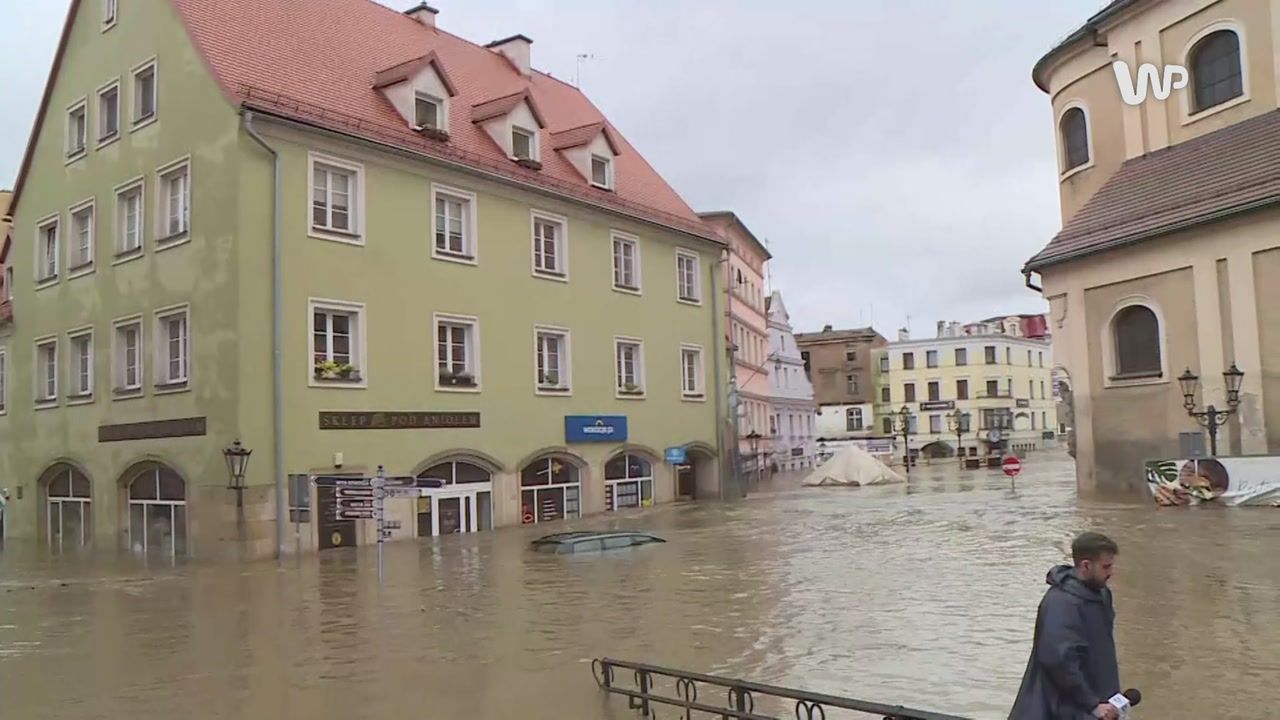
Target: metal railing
x,y
692,693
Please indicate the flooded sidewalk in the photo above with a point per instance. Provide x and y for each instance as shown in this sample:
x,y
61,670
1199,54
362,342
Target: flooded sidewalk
x,y
922,594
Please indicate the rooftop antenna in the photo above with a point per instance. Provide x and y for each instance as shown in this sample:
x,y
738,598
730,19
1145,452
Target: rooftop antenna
x,y
577,71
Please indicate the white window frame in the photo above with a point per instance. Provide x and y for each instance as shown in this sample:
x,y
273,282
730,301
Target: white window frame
x,y
75,270
473,350
1063,171
76,394
1188,94
120,389
534,151
43,280
8,283
608,171
123,254
698,393
164,238
39,378
470,237
359,348
1110,362
935,424
617,236
72,153
4,381
442,112
355,208
697,276
105,140
110,14
561,243
564,371
618,385
163,382
136,122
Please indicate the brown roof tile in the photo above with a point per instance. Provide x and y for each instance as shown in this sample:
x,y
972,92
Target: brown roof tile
x,y
1225,172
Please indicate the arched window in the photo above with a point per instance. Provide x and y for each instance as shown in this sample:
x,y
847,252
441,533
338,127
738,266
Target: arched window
x,y
549,490
1216,73
628,482
464,504
69,513
157,511
1075,138
1136,334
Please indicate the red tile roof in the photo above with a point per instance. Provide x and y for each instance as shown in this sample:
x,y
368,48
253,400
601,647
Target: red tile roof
x,y
1222,173
316,62
503,105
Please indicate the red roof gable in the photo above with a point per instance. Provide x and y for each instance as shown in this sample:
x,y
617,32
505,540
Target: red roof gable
x,y
503,105
407,69
576,137
256,52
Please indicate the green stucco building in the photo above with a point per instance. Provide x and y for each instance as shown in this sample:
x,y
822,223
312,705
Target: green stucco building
x,y
345,238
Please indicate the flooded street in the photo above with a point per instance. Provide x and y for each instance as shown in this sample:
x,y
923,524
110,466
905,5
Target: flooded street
x,y
922,595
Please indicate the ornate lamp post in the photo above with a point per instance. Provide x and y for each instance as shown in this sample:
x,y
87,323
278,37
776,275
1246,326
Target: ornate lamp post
x,y
753,437
902,423
1212,418
237,457
958,423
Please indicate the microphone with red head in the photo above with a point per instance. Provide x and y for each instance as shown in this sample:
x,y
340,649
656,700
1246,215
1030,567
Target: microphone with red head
x,y
1125,700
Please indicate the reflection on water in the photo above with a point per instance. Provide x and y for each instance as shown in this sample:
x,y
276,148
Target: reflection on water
x,y
923,595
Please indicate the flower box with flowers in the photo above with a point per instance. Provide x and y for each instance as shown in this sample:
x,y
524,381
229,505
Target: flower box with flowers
x,y
332,371
462,380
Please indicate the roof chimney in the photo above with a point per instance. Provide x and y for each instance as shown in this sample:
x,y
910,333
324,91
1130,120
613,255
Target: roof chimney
x,y
516,49
423,13
826,328
903,335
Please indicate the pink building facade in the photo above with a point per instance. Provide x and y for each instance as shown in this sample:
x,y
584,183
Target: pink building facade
x,y
747,324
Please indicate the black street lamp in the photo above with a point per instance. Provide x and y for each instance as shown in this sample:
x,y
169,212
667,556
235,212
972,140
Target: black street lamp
x,y
237,457
902,421
1212,418
753,437
958,422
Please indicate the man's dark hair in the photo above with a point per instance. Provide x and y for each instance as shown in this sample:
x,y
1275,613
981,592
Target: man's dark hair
x,y
1091,546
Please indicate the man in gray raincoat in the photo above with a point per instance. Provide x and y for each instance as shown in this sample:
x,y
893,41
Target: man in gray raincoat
x,y
1073,668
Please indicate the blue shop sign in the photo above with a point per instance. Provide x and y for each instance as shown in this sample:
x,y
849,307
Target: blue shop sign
x,y
676,456
595,428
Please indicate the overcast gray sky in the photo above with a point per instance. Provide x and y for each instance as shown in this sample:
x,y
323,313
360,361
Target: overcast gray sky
x,y
894,153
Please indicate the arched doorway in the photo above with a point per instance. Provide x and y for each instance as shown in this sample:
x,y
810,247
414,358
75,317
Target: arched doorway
x,y
698,476
628,482
68,510
463,504
937,449
157,501
550,489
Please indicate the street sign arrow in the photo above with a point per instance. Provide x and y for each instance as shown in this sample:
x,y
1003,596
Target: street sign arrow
x,y
340,482
354,492
402,492
356,514
349,504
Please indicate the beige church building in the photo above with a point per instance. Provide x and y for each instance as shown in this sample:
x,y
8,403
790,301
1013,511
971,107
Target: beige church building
x,y
1169,254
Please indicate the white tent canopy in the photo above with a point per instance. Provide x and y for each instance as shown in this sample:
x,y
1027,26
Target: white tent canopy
x,y
851,465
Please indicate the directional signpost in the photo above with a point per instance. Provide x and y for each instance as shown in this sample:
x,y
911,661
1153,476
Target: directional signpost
x,y
362,498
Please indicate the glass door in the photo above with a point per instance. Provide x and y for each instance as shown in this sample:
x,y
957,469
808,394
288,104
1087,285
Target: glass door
x,y
451,512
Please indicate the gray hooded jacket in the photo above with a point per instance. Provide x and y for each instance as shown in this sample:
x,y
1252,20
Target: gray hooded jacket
x,y
1073,664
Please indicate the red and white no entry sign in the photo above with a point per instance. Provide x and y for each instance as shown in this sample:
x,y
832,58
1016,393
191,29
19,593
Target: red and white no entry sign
x,y
1011,466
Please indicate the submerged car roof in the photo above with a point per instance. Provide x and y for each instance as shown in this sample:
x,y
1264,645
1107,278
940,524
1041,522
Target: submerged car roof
x,y
576,535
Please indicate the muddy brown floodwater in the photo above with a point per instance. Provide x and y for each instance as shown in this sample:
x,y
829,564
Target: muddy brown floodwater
x,y
921,594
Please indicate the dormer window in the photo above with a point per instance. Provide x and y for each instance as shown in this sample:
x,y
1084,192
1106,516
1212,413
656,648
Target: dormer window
x,y
427,112
601,172
524,144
